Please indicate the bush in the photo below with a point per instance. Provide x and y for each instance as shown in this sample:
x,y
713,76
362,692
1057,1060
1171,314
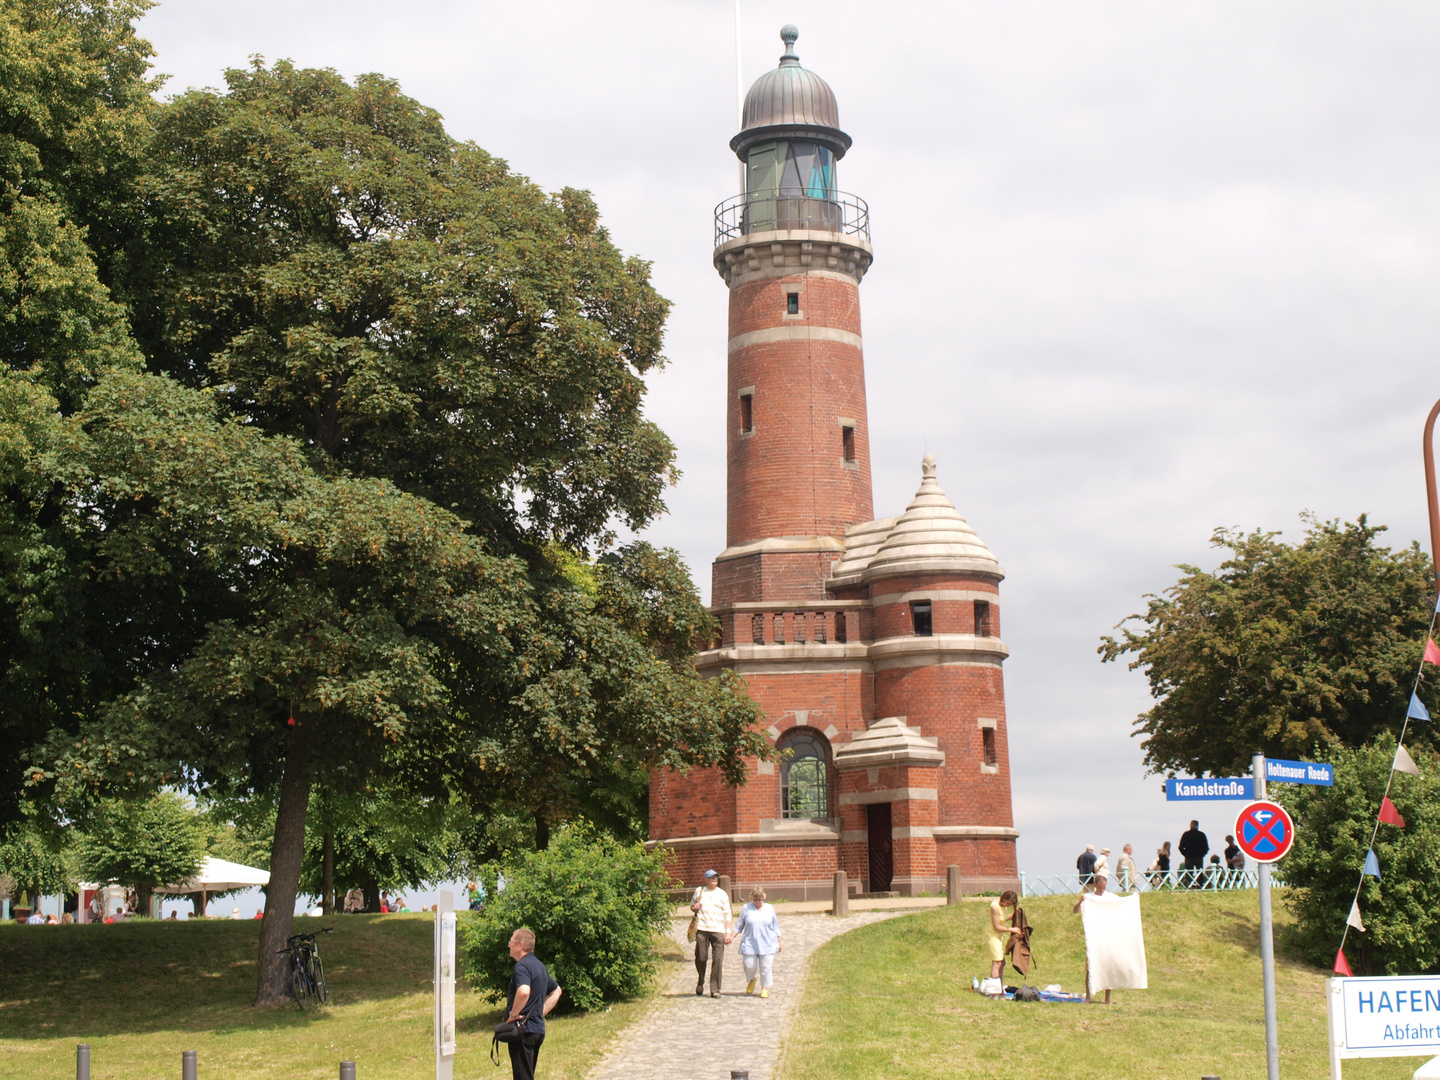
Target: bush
x,y
595,906
1332,829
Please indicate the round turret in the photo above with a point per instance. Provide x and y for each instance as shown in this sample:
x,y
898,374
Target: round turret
x,y
790,103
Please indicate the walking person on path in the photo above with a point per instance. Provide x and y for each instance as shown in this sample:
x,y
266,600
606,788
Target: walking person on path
x,y
533,993
1126,869
1085,865
1102,864
1194,846
758,929
1000,930
712,918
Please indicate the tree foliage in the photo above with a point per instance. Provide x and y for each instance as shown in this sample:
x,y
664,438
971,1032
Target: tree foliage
x,y
142,843
33,863
1333,826
1283,648
596,906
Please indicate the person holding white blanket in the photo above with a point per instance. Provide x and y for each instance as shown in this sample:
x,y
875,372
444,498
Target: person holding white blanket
x,y
1114,941
758,929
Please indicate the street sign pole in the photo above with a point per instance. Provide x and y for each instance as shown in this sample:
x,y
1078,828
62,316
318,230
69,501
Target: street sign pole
x,y
1267,945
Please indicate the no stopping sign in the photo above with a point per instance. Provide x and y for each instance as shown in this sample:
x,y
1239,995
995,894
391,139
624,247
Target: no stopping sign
x,y
1264,831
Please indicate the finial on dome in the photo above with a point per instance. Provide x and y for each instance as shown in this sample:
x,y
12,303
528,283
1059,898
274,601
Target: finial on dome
x,y
788,34
927,467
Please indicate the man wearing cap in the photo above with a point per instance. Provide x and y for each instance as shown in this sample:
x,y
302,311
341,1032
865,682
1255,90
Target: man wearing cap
x,y
712,917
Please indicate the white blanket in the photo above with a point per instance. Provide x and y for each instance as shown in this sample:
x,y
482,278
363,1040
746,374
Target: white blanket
x,y
1114,943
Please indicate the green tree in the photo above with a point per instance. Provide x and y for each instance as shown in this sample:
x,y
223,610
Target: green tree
x,y
143,844
1282,649
596,906
34,861
1333,826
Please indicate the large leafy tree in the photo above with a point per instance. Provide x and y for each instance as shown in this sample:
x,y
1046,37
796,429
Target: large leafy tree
x,y
144,843
1282,649
398,399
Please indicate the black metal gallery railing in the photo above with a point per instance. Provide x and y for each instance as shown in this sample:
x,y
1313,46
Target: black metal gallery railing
x,y
778,209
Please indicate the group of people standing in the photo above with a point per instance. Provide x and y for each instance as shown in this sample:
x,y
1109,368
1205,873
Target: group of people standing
x,y
757,926
1194,873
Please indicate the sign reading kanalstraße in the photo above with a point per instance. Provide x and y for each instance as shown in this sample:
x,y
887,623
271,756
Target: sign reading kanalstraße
x,y
1180,788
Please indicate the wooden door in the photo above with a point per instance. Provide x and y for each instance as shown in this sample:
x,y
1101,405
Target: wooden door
x,y
882,852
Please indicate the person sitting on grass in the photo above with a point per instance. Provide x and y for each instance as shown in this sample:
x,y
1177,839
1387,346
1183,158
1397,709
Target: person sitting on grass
x,y
1000,930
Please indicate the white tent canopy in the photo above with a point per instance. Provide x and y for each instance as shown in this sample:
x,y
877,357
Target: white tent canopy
x,y
220,875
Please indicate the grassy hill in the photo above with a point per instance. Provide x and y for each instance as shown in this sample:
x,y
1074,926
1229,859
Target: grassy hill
x,y
140,993
893,1000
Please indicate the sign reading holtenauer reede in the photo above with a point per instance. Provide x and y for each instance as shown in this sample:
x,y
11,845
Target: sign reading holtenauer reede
x,y
1397,1016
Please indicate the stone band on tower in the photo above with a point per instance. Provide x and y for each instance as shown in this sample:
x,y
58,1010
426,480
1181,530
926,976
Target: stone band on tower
x,y
871,645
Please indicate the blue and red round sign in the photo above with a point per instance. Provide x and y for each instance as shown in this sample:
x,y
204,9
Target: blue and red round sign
x,y
1264,831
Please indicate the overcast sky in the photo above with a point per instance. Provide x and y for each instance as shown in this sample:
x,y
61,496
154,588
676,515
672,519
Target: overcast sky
x,y
1141,270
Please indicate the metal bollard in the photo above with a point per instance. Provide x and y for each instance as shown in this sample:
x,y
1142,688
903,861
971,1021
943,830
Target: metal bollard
x,y
188,1066
347,1070
82,1061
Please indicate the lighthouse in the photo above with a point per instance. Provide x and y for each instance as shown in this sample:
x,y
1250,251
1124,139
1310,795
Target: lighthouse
x,y
872,645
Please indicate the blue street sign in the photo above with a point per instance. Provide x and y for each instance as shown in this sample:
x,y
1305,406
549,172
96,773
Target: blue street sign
x,y
1182,788
1299,772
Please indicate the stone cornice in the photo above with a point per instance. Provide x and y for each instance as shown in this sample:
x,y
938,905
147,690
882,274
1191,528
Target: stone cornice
x,y
782,253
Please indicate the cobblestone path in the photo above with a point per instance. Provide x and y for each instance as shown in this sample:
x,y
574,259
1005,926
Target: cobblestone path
x,y
684,1037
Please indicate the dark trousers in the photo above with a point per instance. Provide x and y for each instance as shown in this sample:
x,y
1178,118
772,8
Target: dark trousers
x,y
524,1052
712,945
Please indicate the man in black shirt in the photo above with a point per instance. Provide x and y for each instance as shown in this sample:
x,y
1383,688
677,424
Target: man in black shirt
x,y
1194,846
533,993
1085,865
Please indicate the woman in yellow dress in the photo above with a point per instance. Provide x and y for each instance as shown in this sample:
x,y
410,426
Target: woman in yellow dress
x,y
1000,930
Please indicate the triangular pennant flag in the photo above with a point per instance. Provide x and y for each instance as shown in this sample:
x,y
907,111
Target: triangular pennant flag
x,y
1417,711
1389,815
1404,762
1372,865
1354,919
1341,967
1432,651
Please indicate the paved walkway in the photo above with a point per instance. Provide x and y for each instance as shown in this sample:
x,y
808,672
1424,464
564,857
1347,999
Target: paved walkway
x,y
685,1037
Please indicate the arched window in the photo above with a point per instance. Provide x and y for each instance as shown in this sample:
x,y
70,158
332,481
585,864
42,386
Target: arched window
x,y
804,778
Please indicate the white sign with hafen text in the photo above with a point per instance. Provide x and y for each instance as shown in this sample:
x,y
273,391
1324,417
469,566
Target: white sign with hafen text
x,y
1395,1016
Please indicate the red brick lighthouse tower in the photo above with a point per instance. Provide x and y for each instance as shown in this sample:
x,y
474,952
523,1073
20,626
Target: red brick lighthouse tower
x,y
872,645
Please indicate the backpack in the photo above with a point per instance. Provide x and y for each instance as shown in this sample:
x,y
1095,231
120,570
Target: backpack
x,y
1027,993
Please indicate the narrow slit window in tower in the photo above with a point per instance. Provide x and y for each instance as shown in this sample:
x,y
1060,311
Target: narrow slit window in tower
x,y
920,618
847,442
747,413
792,303
987,738
982,618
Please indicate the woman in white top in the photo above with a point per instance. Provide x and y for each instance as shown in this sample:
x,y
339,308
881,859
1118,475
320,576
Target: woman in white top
x,y
758,929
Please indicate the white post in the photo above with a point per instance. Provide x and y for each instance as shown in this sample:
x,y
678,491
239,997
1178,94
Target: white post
x,y
445,986
1267,945
1334,1010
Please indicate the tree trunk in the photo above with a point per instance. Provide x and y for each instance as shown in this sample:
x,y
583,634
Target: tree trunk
x,y
371,888
144,893
198,899
542,833
327,887
287,851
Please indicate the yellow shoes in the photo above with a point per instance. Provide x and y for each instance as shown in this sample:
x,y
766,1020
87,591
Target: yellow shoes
x,y
750,987
765,993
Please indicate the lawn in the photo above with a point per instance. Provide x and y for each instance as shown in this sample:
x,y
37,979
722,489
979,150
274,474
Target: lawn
x,y
893,1000
141,993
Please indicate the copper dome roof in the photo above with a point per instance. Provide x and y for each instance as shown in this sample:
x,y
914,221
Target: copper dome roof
x,y
790,102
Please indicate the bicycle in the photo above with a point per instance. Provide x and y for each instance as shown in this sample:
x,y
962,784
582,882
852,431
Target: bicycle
x,y
307,973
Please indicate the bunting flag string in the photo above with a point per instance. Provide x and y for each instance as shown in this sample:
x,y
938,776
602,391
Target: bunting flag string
x,y
1417,710
1372,865
1432,651
1389,815
1404,762
1341,967
1354,918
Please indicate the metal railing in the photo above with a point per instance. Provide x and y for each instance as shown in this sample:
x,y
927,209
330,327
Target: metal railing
x,y
1173,881
784,209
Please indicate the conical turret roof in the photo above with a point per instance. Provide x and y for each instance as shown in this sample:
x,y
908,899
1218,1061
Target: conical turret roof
x,y
932,537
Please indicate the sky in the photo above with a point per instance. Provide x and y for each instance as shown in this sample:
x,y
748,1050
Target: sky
x,y
1141,271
